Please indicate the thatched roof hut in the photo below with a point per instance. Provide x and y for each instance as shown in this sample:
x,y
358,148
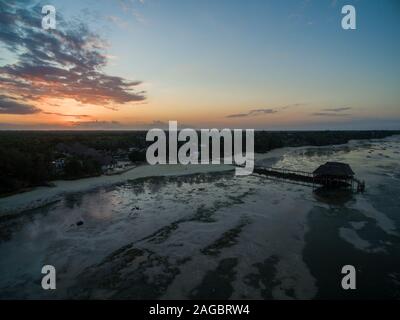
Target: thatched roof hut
x,y
334,169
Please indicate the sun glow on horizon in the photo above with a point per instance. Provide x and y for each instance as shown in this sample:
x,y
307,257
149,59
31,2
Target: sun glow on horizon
x,y
202,68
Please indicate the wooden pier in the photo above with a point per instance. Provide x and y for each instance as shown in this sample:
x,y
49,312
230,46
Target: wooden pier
x,y
312,179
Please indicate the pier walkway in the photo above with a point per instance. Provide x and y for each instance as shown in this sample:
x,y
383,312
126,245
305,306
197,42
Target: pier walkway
x,y
309,178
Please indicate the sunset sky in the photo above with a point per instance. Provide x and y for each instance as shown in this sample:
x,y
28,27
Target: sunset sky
x,y
135,64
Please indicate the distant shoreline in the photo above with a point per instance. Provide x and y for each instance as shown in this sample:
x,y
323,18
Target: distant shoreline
x,y
40,196
145,130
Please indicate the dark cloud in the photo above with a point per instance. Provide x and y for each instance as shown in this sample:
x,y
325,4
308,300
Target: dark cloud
x,y
9,105
333,112
330,114
237,115
340,109
105,125
96,124
164,125
62,63
262,111
293,105
257,112
254,112
79,116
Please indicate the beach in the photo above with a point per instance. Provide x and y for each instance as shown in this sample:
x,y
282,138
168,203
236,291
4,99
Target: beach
x,y
40,196
174,234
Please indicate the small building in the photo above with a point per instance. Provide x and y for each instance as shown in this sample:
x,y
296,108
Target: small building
x,y
335,174
58,165
334,169
106,162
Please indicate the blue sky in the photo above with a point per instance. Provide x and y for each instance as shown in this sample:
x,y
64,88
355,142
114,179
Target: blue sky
x,y
253,64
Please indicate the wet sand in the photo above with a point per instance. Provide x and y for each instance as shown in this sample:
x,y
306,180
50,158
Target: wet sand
x,y
41,196
214,235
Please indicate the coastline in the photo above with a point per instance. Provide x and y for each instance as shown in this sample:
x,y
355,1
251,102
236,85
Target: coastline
x,y
153,227
40,196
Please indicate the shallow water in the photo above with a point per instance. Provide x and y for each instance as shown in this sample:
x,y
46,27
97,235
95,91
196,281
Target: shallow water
x,y
216,236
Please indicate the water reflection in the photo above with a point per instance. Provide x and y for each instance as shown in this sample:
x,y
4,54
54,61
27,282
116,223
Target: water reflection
x,y
213,235
333,196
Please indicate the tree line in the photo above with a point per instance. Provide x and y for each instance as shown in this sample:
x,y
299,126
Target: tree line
x,y
26,157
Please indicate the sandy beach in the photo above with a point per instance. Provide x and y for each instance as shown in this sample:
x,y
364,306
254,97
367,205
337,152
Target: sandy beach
x,y
41,196
183,232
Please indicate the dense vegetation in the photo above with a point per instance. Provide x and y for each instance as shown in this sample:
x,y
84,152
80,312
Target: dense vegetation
x,y
266,141
26,156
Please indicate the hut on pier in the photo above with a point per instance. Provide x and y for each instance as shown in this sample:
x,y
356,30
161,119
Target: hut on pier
x,y
334,174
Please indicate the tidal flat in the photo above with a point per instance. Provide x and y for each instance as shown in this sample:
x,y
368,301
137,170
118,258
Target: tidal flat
x,y
214,235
